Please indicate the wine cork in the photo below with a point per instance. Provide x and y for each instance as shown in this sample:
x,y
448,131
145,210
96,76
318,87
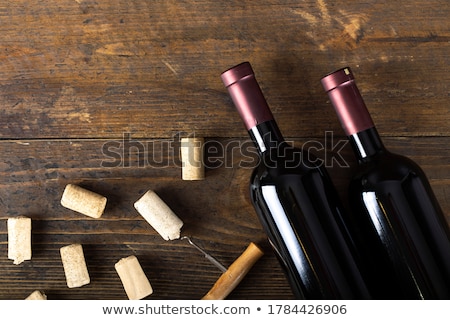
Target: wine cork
x,y
135,282
36,295
229,280
19,239
83,201
156,212
192,159
74,264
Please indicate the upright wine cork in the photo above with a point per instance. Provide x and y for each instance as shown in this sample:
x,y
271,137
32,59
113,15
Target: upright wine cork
x,y
19,239
36,295
156,212
74,264
83,201
192,159
133,278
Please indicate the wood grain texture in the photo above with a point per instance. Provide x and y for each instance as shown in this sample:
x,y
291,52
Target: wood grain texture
x,y
99,94
216,211
89,69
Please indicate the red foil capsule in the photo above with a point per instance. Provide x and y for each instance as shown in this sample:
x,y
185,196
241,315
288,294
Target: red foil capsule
x,y
246,95
347,101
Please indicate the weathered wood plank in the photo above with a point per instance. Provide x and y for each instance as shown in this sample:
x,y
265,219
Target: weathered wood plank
x,y
216,211
85,69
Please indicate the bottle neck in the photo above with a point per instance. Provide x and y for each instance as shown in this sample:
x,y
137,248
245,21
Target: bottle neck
x,y
246,94
266,136
249,101
353,114
366,144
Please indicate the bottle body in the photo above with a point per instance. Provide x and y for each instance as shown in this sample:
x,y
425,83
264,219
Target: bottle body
x,y
404,238
297,205
402,233
302,216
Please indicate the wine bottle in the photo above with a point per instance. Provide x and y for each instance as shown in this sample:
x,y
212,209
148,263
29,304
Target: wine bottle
x,y
403,233
296,202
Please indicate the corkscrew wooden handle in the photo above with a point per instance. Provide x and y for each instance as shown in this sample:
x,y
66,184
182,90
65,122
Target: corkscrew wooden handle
x,y
229,280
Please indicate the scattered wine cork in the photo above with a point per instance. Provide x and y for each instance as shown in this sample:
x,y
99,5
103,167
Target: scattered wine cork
x,y
83,201
192,159
133,278
36,295
229,280
156,212
74,264
19,239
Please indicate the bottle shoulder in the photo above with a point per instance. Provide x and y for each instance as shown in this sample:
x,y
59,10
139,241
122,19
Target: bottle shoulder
x,y
287,162
385,167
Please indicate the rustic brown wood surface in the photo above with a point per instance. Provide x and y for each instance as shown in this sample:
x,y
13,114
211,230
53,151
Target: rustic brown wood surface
x,y
98,93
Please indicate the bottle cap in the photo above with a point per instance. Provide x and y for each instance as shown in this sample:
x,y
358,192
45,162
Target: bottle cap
x,y
246,95
335,79
236,73
347,101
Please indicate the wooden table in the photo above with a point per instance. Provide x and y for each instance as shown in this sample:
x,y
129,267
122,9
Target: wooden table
x,y
98,93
